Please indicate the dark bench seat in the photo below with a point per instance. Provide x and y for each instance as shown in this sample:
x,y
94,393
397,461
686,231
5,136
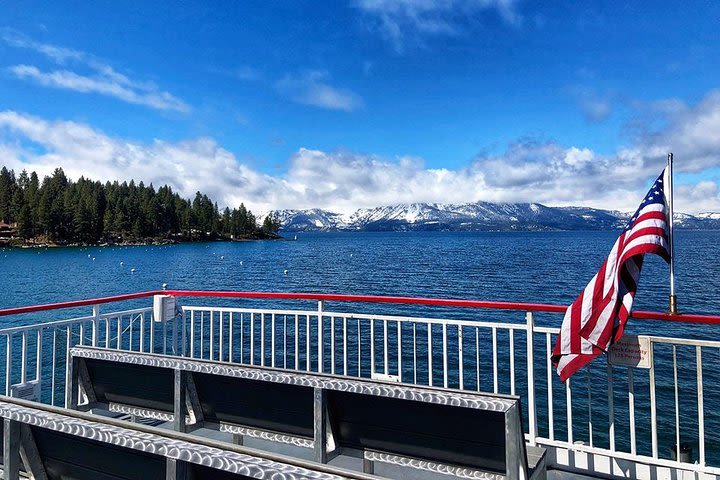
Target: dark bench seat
x,y
466,434
50,443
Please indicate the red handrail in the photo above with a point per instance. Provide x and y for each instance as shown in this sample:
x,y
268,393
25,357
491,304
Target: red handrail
x,y
331,297
76,303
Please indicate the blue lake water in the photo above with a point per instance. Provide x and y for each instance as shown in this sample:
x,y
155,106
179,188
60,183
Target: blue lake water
x,y
547,267
541,267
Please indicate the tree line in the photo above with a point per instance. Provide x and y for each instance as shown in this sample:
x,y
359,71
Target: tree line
x,y
86,211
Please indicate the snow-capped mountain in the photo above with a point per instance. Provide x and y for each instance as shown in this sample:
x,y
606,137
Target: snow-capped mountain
x,y
481,216
310,220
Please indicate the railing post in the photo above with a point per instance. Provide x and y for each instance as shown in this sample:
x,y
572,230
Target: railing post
x,y
96,325
175,336
701,405
8,363
39,360
320,336
653,405
532,413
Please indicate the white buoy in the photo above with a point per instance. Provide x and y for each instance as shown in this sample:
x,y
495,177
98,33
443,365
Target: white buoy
x,y
132,270
285,272
222,257
93,259
88,255
122,263
241,262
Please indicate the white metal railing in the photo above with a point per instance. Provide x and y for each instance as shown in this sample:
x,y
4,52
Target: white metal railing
x,y
35,355
638,418
621,412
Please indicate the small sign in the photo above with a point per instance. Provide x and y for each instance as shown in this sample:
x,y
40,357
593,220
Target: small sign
x,y
163,308
631,351
27,391
384,377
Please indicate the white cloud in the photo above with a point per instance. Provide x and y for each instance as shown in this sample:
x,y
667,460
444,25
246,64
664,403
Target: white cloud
x,y
102,84
59,54
527,171
704,196
101,78
400,21
691,132
311,88
36,144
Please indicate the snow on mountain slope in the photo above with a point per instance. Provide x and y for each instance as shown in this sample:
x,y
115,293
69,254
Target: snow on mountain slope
x,y
473,216
313,219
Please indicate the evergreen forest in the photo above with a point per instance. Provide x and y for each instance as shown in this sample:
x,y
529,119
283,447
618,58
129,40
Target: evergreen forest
x,y
63,211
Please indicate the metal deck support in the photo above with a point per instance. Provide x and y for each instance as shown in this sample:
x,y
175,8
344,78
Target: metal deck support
x,y
181,398
320,429
11,450
175,469
368,466
30,455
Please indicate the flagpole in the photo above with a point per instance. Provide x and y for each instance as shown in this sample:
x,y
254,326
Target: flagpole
x,y
671,220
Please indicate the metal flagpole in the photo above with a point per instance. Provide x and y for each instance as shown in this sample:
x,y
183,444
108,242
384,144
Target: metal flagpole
x,y
671,220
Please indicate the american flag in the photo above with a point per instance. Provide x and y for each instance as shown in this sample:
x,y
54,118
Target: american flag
x,y
597,317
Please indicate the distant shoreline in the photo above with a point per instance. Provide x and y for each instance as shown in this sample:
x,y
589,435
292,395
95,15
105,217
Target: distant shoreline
x,y
43,243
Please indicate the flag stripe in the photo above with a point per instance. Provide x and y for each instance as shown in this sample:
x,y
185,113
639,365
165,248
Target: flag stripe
x,y
598,316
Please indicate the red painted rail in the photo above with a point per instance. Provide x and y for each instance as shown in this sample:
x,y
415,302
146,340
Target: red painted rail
x,y
331,297
76,303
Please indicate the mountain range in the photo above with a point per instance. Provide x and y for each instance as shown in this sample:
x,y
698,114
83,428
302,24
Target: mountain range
x,y
476,216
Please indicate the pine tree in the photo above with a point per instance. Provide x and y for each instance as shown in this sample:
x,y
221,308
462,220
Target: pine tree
x,y
25,223
271,224
7,188
226,227
88,211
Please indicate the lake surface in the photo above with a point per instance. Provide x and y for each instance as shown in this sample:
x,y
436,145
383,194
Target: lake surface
x,y
539,267
542,267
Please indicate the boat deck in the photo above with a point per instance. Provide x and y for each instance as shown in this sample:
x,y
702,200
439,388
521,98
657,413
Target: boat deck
x,y
618,420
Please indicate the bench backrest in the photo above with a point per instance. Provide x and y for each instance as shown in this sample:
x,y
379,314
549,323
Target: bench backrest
x,y
141,386
277,407
443,433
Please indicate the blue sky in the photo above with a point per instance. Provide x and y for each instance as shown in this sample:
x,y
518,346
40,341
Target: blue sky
x,y
347,104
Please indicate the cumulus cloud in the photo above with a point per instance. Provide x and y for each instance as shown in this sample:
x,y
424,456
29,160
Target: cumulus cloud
x,y
704,196
100,77
32,143
690,131
342,181
549,173
311,88
400,21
